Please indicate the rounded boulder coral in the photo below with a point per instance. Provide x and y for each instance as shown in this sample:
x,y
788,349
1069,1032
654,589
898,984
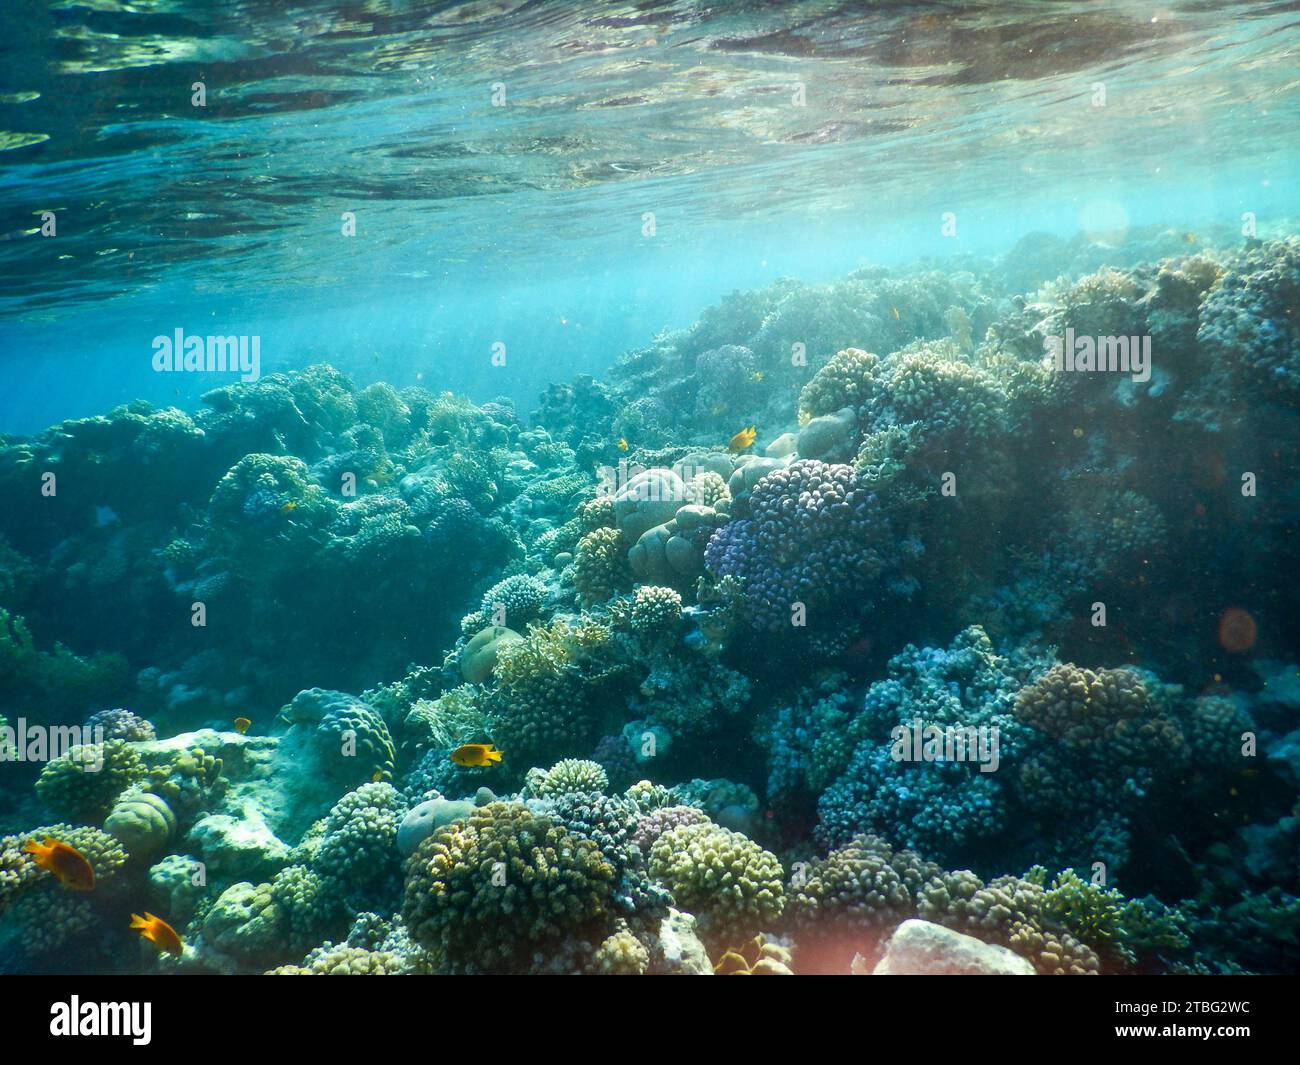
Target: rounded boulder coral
x,y
732,885
487,892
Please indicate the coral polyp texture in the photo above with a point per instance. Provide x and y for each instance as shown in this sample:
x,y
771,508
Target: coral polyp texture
x,y
959,658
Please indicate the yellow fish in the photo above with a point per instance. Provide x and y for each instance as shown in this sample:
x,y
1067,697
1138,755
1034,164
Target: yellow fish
x,y
476,755
757,376
894,312
158,932
67,864
377,776
742,440
242,725
1189,238
289,507
622,444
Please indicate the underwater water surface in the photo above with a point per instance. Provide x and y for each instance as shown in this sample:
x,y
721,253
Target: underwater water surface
x,y
633,488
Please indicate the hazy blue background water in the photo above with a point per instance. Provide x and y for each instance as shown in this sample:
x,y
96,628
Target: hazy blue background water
x,y
523,224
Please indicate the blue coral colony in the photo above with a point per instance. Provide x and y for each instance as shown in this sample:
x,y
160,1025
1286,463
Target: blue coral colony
x,y
699,713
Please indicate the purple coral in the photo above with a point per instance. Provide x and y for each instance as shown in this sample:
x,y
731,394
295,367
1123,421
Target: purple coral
x,y
652,825
814,537
121,724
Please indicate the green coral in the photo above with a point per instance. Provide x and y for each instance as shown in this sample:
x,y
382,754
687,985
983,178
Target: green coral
x,y
83,783
44,922
600,565
380,405
621,954
244,929
1007,911
568,776
34,681
1117,928
343,960
308,902
656,611
486,892
457,716
708,489
732,885
512,602
849,379
863,886
551,690
190,782
930,384
17,870
360,843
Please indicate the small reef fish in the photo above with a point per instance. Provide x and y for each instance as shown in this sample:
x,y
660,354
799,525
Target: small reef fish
x,y
289,507
68,865
158,932
757,377
377,776
622,444
242,725
743,440
1189,238
894,312
476,755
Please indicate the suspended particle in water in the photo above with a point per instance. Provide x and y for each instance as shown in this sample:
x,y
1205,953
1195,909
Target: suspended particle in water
x,y
1237,630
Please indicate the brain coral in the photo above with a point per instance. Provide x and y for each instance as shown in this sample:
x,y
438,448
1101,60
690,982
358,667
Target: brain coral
x,y
486,892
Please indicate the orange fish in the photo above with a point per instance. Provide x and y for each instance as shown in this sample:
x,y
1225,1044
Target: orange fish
x,y
66,863
476,755
242,725
158,932
742,440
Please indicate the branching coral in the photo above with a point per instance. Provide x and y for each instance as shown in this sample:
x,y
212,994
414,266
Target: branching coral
x,y
734,887
486,892
815,537
83,783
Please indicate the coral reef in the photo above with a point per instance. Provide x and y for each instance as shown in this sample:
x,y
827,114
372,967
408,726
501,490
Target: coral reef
x,y
834,699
